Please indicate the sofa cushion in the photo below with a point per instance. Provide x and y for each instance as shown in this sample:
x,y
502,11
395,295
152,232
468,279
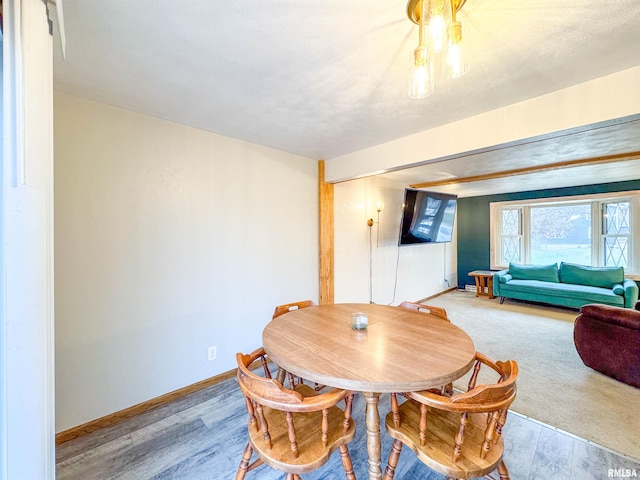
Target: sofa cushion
x,y
604,277
505,278
618,289
547,291
543,273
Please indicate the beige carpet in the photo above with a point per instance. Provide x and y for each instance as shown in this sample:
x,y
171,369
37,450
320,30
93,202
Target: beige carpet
x,y
554,386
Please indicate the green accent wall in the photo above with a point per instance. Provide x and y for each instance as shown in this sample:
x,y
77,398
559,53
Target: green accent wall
x,y
474,225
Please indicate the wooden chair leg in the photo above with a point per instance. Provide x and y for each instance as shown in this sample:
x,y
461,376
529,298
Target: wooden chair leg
x,y
501,422
244,463
503,472
447,390
346,463
394,455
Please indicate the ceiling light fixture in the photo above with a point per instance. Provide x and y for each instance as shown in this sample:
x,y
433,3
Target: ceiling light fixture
x,y
441,42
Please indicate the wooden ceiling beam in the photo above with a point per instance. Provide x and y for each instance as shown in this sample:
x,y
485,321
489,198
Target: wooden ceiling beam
x,y
620,157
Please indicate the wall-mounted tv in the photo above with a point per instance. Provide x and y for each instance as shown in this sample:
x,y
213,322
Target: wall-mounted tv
x,y
427,217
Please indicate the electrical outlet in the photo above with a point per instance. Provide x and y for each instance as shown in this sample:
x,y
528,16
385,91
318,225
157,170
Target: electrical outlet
x,y
212,352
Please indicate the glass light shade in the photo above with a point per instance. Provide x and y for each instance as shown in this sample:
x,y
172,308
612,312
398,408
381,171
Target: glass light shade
x,y
437,14
422,82
437,30
453,65
453,62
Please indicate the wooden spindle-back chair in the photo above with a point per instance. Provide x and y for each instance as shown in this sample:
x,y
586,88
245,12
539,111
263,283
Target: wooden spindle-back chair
x,y
294,431
430,309
281,310
458,436
440,313
289,307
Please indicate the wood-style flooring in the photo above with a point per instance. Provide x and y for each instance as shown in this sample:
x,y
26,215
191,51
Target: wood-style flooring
x,y
202,437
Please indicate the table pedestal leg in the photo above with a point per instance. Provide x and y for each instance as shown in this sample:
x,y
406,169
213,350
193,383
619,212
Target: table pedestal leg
x,y
373,435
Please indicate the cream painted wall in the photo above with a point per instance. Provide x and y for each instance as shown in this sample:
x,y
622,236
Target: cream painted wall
x,y
397,273
168,240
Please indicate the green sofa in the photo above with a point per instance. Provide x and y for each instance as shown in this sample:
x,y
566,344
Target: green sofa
x,y
569,285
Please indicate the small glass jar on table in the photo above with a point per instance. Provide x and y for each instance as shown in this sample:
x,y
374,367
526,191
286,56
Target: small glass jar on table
x,y
359,321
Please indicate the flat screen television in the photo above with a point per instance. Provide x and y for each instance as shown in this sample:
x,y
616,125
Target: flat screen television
x,y
427,217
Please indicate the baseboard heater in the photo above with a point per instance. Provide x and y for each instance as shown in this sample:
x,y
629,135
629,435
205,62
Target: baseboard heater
x,y
472,288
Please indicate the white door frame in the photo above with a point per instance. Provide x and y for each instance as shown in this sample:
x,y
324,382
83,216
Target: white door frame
x,y
27,415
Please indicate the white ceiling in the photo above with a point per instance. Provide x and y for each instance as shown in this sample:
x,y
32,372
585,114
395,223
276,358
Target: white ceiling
x,y
325,78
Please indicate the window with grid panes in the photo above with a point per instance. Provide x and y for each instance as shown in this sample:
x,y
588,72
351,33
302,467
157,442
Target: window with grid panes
x,y
595,230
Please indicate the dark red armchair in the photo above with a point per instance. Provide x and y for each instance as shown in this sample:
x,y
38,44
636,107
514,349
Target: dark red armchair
x,y
608,340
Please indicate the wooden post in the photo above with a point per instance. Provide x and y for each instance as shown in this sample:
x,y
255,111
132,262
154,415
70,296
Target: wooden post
x,y
325,215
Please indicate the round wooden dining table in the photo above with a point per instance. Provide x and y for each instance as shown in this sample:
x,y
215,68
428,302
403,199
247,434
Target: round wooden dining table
x,y
401,350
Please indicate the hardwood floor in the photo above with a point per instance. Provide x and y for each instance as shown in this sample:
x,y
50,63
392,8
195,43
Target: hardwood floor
x,y
202,437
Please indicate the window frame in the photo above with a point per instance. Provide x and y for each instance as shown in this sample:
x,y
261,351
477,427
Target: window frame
x,y
596,201
521,230
603,231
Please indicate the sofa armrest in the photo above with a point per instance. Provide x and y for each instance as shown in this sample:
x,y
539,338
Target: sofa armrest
x,y
630,293
624,317
496,281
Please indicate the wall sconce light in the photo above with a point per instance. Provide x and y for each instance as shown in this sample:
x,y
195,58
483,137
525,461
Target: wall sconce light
x,y
371,222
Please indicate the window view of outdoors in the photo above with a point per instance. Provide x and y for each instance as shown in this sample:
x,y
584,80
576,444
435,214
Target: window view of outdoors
x,y
593,231
561,234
